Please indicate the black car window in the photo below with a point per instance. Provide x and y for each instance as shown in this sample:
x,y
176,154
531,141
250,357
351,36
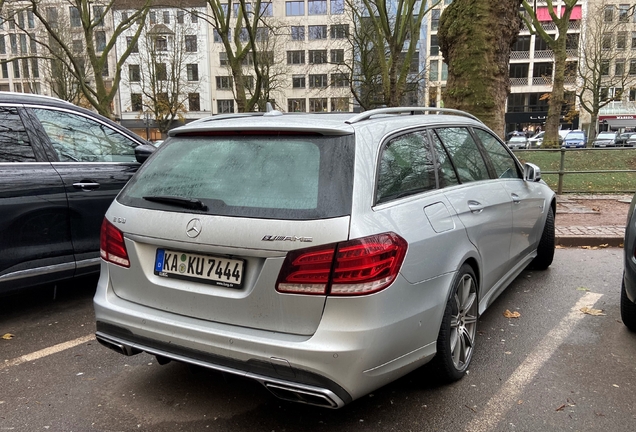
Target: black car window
x,y
14,141
447,175
465,154
79,139
504,164
406,167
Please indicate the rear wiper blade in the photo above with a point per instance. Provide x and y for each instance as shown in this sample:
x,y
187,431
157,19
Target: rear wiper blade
x,y
189,203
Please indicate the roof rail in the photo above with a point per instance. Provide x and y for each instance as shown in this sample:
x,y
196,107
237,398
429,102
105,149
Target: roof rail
x,y
405,110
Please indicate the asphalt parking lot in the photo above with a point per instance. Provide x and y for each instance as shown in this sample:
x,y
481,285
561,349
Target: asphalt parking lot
x,y
551,368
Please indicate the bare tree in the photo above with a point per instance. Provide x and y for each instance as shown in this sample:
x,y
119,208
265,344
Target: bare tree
x,y
385,63
167,72
476,38
89,21
558,44
239,30
606,42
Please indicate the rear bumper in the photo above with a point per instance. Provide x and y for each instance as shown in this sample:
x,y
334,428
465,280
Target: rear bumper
x,y
360,345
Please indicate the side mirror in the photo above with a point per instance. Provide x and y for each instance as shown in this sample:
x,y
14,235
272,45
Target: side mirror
x,y
143,152
531,172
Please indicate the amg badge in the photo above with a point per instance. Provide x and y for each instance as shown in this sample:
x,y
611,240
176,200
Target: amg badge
x,y
272,238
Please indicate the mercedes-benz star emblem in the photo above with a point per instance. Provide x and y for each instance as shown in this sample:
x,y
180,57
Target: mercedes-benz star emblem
x,y
193,228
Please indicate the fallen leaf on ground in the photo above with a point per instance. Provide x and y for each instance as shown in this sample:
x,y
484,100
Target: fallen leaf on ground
x,y
582,289
596,209
590,311
603,245
7,336
559,247
561,407
509,314
589,247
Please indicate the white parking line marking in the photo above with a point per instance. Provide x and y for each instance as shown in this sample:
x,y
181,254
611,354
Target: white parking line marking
x,y
46,351
507,397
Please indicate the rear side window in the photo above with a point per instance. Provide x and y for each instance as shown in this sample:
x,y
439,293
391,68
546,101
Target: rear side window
x,y
464,153
284,177
14,141
406,167
76,138
504,164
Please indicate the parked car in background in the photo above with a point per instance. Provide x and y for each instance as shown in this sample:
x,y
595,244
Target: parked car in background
x,y
536,140
628,288
605,139
621,138
518,142
631,140
575,139
335,252
60,168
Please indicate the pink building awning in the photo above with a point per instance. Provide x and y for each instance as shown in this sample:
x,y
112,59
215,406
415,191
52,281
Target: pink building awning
x,y
544,15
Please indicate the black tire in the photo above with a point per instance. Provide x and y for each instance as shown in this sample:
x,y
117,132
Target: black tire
x,y
545,250
458,331
628,310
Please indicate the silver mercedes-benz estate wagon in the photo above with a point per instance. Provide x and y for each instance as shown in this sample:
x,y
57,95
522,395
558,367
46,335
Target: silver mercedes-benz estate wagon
x,y
323,255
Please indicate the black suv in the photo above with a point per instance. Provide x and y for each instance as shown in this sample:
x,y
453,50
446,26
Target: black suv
x,y
60,168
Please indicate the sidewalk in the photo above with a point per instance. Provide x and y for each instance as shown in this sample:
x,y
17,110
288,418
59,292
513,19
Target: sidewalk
x,y
575,235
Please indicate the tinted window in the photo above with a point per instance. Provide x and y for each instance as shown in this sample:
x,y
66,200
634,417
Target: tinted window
x,y
465,154
78,139
447,176
504,164
14,142
254,176
406,167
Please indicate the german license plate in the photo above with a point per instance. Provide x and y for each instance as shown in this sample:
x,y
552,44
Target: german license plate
x,y
221,271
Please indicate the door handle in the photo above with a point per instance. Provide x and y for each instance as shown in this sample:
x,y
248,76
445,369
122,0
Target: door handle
x,y
515,198
475,206
86,185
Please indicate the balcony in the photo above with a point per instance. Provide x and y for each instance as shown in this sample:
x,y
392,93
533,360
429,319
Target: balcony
x,y
542,81
519,55
516,82
544,54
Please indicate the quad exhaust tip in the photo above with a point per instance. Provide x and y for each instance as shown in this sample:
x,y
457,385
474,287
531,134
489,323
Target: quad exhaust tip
x,y
293,394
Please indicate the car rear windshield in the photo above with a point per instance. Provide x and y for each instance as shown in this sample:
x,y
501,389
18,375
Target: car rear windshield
x,y
260,176
573,135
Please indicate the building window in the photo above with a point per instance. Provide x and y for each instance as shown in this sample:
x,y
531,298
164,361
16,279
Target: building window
x,y
152,16
433,70
100,41
35,68
317,80
434,45
13,40
194,18
193,72
78,46
194,102
267,9
23,44
223,59
295,57
298,33
296,105
317,32
16,68
340,104
217,35
298,81
623,13
51,16
608,13
294,8
619,68
337,7
337,56
317,7
339,31
190,43
224,83
317,104
435,14
161,72
166,17
262,34
621,40
98,15
244,35
105,71
632,67
180,15
606,42
134,73
339,80
124,16
30,19
135,102
605,64
317,56
225,106
129,41
5,69
161,43
76,21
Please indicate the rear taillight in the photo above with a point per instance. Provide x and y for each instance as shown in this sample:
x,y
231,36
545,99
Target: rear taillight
x,y
111,245
357,267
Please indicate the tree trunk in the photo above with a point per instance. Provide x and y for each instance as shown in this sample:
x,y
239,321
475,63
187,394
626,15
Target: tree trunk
x,y
555,106
476,37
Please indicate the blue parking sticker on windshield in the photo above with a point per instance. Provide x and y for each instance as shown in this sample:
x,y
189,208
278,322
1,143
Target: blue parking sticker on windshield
x,y
159,260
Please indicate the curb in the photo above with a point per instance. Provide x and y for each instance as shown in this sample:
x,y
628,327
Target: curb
x,y
577,241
